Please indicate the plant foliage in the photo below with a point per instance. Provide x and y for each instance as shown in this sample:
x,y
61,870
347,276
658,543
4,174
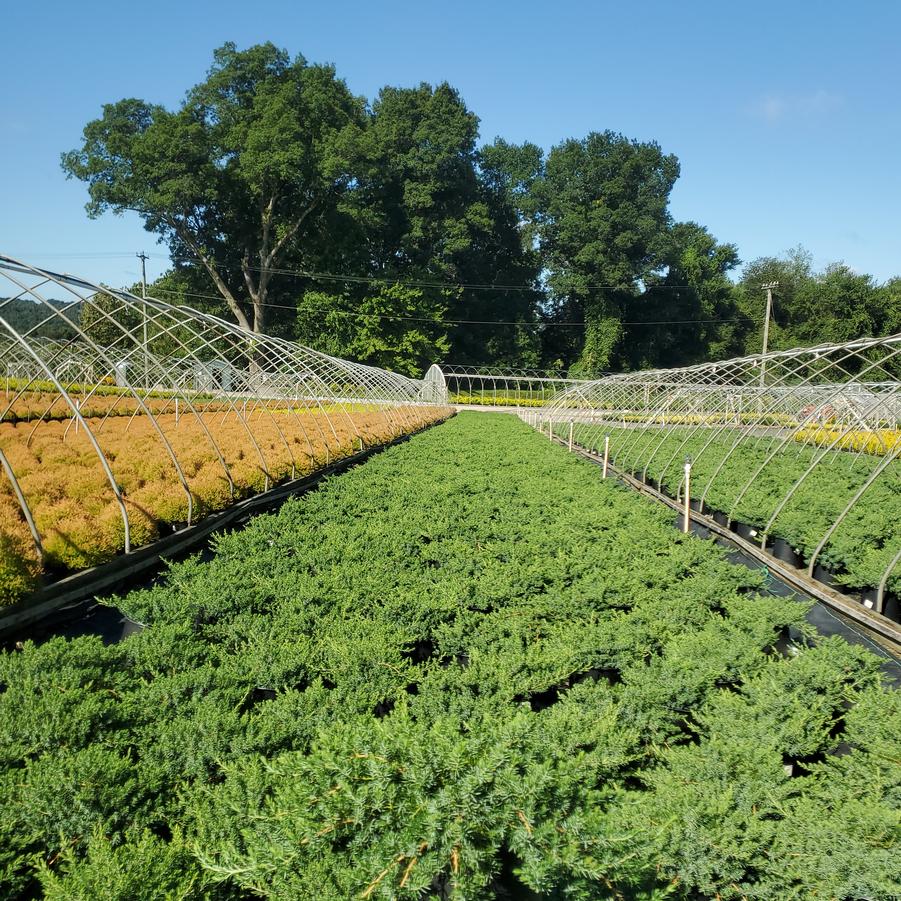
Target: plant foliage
x,y
465,670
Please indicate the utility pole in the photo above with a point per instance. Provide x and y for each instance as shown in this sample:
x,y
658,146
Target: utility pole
x,y
143,258
766,326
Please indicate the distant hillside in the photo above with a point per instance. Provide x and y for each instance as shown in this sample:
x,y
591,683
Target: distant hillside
x,y
23,315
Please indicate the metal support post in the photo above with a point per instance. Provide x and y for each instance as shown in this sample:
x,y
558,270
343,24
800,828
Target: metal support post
x,y
570,436
143,258
606,456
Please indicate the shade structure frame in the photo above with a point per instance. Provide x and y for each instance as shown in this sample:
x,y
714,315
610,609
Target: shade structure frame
x,y
89,355
829,405
500,385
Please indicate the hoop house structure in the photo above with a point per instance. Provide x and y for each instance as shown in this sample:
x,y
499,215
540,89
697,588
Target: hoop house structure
x,y
124,417
479,386
796,451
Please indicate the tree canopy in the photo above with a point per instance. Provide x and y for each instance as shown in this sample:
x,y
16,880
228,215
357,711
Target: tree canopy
x,y
384,232
601,218
235,177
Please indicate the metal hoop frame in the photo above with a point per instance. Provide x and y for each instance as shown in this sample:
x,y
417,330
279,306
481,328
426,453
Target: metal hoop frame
x,y
839,403
147,360
500,386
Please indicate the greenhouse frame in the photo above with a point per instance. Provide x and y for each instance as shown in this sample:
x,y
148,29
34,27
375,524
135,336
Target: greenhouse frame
x,y
127,417
500,386
772,439
123,415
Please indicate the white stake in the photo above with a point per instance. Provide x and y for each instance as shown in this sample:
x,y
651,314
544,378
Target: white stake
x,y
176,412
570,436
606,456
686,514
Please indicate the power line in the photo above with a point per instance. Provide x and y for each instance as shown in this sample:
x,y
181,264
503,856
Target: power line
x,y
358,279
89,254
358,315
407,283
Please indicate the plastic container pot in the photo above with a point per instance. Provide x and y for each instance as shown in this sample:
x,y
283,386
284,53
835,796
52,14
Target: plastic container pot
x,y
782,550
745,530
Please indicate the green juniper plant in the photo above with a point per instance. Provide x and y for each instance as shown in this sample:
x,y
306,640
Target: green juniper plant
x,y
858,552
467,669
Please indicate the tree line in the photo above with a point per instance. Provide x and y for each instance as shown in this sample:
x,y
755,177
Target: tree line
x,y
384,232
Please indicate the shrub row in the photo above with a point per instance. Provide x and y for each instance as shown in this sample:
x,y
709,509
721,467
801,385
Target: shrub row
x,y
467,670
858,552
502,399
870,441
76,512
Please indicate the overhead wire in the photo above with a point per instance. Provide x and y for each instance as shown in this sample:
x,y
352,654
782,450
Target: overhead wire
x,y
410,283
392,316
357,279
417,283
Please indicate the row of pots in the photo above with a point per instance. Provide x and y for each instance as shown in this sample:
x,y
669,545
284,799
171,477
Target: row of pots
x,y
782,550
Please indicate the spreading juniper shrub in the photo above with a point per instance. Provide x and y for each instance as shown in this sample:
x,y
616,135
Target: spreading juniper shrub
x,y
466,670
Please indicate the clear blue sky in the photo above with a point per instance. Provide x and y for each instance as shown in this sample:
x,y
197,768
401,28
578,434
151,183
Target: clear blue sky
x,y
784,115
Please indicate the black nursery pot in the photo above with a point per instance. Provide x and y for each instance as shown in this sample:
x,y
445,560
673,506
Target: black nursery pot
x,y
695,505
782,550
891,607
720,517
869,597
745,530
823,574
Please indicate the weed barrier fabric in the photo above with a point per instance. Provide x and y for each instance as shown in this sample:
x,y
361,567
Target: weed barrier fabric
x,y
818,615
467,669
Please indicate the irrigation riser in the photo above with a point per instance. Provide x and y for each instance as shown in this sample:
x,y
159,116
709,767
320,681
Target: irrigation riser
x,y
84,585
875,624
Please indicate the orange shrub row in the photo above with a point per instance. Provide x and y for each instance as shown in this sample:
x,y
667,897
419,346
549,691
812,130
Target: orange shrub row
x,y
74,506
34,405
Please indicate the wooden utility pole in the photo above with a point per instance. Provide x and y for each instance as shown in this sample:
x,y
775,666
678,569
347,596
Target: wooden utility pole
x,y
143,258
766,327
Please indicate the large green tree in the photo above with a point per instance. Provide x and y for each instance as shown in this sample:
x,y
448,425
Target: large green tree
x,y
833,305
428,210
890,302
688,313
283,195
601,219
238,176
391,326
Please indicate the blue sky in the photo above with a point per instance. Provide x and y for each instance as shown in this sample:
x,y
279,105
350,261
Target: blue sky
x,y
785,116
